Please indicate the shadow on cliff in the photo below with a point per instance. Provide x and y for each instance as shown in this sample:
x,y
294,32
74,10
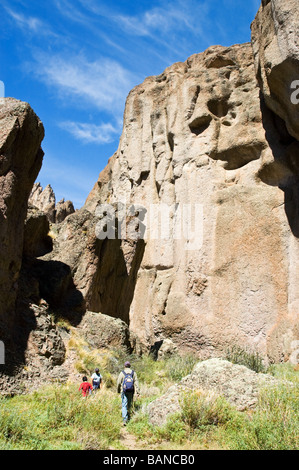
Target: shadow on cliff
x,y
57,288
39,281
283,171
15,335
115,281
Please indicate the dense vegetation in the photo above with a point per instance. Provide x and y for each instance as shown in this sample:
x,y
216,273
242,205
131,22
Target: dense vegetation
x,y
56,417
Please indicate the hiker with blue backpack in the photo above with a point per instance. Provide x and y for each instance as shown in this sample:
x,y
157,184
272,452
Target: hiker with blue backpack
x,y
127,385
96,380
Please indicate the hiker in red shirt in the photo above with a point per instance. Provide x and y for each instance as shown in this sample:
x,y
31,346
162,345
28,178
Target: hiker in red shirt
x,y
85,387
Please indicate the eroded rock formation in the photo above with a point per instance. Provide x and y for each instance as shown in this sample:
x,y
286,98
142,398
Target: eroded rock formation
x,y
21,133
275,41
204,135
196,135
45,200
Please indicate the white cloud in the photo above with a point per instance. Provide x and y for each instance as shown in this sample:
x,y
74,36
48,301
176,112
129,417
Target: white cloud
x,y
102,83
92,133
171,26
29,23
34,24
70,10
161,20
133,25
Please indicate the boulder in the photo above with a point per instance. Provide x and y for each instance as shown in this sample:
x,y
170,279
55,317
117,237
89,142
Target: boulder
x,y
63,209
102,331
45,348
238,384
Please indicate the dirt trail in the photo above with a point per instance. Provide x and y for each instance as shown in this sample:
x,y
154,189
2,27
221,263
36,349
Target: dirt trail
x,y
129,441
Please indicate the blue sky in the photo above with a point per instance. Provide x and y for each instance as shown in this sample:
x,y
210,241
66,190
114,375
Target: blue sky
x,y
76,61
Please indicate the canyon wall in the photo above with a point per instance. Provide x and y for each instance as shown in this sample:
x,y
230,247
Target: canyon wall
x,y
190,235
275,43
20,161
215,135
198,136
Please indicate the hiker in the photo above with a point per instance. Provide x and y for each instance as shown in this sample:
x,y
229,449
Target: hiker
x,y
127,385
96,380
85,387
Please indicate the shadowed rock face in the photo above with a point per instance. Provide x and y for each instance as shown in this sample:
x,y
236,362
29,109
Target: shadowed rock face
x,y
21,133
275,41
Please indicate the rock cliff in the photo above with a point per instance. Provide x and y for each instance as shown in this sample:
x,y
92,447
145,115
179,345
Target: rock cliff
x,y
199,136
210,137
20,161
275,41
190,235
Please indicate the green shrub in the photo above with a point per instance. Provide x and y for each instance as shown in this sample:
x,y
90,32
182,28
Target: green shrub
x,y
274,425
178,366
175,430
200,410
249,359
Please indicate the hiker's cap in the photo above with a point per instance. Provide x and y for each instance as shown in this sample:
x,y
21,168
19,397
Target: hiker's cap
x,y
127,364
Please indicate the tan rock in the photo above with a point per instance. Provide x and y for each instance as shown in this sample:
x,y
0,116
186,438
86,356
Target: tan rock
x,y
275,40
194,135
103,331
215,377
45,200
21,133
63,209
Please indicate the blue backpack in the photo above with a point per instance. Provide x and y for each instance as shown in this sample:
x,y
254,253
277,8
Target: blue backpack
x,y
128,382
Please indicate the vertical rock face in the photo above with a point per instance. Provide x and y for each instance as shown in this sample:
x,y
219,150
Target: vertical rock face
x,y
21,133
201,137
196,136
275,40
